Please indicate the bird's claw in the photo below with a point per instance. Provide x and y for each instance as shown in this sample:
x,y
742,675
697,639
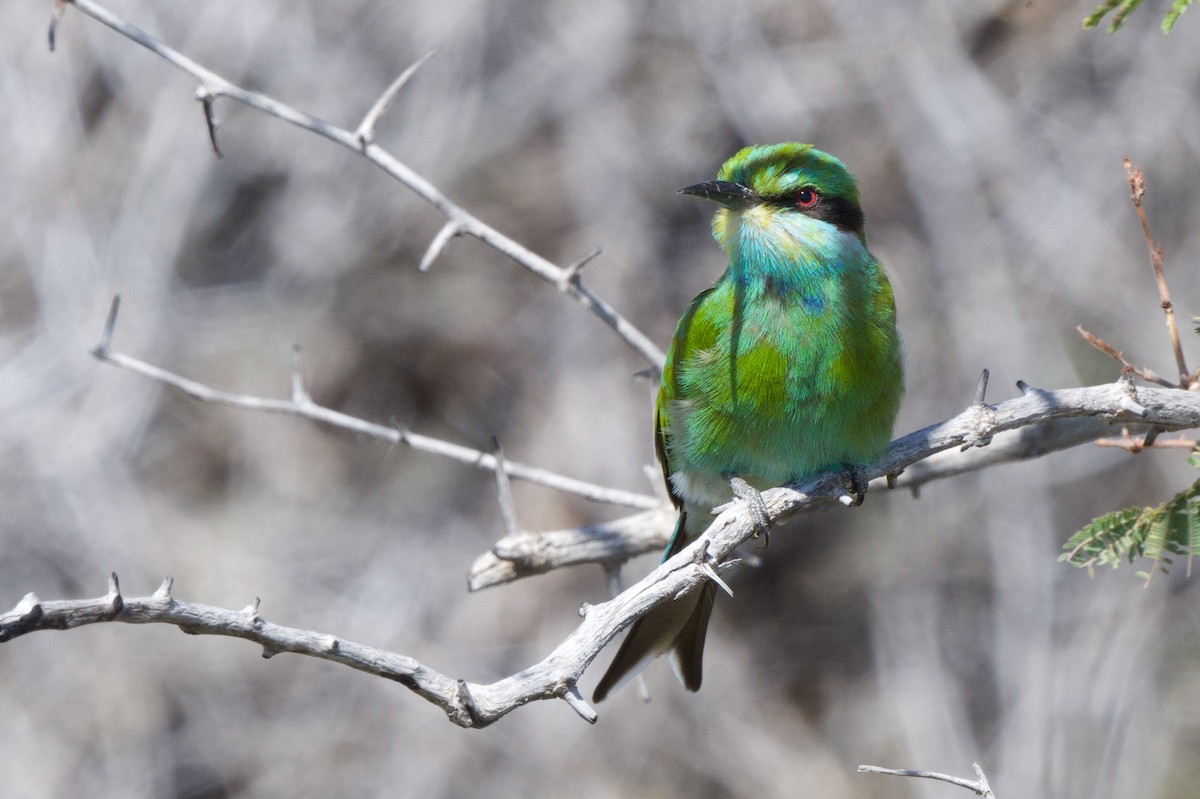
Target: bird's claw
x,y
757,505
858,484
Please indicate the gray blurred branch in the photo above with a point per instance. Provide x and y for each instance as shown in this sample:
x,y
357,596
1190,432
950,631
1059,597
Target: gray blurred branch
x,y
301,404
459,222
555,677
979,785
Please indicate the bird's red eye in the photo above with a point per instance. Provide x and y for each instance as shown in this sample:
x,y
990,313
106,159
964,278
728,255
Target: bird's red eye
x,y
806,198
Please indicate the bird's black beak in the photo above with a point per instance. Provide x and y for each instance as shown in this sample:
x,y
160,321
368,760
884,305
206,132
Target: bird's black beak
x,y
731,195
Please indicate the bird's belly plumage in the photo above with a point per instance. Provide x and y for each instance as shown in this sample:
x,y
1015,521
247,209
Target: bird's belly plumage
x,y
793,387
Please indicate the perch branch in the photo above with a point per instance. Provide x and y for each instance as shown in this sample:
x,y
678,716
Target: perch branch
x,y
477,705
1037,424
458,220
301,404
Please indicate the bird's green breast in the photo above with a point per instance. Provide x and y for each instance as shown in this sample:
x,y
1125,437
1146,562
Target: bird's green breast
x,y
775,374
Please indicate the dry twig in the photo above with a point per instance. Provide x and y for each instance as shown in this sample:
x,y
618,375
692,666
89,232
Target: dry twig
x,y
1137,188
301,404
979,785
459,222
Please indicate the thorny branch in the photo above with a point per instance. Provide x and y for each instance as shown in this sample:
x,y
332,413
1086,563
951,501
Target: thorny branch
x,y
459,222
301,404
477,705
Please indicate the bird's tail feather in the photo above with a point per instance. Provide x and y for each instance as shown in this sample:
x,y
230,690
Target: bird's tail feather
x,y
678,627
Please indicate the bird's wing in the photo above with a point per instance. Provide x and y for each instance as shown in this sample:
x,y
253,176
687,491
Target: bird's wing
x,y
688,337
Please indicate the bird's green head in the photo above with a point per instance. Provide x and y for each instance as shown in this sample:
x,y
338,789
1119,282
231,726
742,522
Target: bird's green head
x,y
771,186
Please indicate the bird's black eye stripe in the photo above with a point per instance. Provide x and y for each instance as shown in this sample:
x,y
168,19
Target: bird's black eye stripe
x,y
838,211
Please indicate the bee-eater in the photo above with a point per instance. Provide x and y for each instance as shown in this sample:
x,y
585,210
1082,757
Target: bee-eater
x,y
788,366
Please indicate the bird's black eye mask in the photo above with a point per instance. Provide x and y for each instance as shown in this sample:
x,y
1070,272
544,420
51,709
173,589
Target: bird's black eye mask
x,y
837,211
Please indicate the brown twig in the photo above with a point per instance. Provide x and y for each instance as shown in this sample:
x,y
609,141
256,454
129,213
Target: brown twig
x,y
1149,375
1128,442
1137,188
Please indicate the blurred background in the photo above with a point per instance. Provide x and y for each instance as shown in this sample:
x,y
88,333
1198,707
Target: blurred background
x,y
924,633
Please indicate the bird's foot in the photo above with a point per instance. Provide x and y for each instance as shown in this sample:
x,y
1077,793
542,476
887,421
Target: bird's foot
x,y
858,484
757,505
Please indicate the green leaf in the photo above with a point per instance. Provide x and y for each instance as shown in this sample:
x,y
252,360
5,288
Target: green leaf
x,y
1124,8
1177,8
1172,528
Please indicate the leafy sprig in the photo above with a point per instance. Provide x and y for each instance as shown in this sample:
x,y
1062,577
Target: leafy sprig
x,y
1125,7
1172,528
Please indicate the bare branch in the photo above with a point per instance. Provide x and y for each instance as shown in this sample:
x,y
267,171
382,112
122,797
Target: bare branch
x,y
1017,430
979,785
1137,188
472,705
1149,375
300,404
610,544
459,221
1134,445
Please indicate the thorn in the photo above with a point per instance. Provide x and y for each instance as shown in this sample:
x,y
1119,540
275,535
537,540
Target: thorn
x,y
1128,400
612,578
300,396
115,603
207,97
332,644
366,130
1129,404
55,17
584,607
981,389
468,702
570,275
711,574
164,591
577,703
1151,436
270,652
508,507
891,479
110,324
1023,387
29,604
251,611
449,230
650,373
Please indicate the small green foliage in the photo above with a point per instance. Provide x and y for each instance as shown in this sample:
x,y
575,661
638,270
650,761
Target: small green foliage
x,y
1171,528
1125,7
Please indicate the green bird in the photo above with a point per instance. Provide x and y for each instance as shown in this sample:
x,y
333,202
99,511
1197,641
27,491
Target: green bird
x,y
788,366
